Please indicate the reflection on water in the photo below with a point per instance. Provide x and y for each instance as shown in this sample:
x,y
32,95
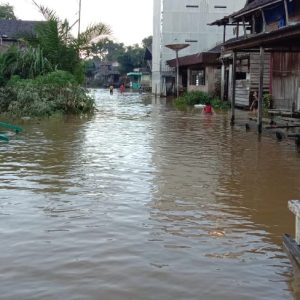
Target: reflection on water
x,y
141,201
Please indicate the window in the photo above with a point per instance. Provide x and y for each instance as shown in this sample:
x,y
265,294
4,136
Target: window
x,y
191,41
192,6
220,6
240,75
197,77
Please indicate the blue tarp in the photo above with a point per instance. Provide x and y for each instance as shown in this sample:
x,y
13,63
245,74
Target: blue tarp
x,y
276,13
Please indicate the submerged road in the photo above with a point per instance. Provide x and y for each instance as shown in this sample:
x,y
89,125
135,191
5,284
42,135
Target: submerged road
x,y
141,201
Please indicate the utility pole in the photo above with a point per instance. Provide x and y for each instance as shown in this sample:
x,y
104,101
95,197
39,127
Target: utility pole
x,y
79,16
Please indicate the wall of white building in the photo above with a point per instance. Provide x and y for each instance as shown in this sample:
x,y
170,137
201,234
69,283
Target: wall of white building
x,y
185,21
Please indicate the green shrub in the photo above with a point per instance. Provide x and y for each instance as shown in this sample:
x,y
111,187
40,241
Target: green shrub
x,y
55,92
199,97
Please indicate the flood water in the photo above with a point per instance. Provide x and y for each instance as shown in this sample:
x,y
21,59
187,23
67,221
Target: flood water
x,y
141,201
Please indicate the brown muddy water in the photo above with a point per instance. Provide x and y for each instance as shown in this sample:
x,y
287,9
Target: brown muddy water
x,y
141,201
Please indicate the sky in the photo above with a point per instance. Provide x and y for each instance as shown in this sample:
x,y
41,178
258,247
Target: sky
x,y
130,20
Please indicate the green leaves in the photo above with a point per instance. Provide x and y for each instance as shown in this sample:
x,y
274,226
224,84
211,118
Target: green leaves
x,y
56,92
26,63
7,12
199,97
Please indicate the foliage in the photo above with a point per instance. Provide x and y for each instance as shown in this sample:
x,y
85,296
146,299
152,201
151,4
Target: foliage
x,y
267,100
107,50
128,57
26,63
60,47
147,42
133,57
192,98
56,92
7,12
199,97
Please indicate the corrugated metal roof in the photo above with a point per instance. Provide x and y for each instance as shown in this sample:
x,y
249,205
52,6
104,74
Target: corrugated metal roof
x,y
254,5
209,57
15,28
250,6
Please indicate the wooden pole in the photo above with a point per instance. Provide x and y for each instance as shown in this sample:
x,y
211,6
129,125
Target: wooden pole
x,y
177,74
224,33
286,13
244,27
253,24
264,20
233,84
260,91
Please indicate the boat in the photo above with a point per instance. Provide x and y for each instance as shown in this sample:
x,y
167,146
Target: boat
x,y
5,136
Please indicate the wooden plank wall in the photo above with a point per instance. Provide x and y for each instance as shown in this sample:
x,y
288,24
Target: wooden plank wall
x,y
242,85
255,72
285,79
245,87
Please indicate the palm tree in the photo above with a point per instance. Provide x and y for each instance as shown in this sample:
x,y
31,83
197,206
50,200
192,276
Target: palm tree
x,y
59,46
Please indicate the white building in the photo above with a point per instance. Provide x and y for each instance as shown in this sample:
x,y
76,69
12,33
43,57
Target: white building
x,y
185,21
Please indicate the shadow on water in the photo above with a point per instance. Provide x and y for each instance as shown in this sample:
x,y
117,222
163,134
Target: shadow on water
x,y
142,201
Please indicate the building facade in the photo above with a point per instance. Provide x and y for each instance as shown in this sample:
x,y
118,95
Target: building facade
x,y
178,21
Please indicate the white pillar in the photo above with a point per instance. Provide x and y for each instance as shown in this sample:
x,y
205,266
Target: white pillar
x,y
156,48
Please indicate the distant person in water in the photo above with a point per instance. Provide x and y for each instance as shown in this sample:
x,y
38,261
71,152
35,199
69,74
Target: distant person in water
x,y
111,89
207,109
122,88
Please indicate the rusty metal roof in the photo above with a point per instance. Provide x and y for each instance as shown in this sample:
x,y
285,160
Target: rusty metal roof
x,y
254,5
209,57
250,6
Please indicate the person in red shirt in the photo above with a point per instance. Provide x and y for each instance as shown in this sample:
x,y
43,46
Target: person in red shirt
x,y
207,109
122,88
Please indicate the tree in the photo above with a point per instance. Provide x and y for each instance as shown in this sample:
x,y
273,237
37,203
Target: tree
x,y
147,42
107,50
59,46
7,12
133,57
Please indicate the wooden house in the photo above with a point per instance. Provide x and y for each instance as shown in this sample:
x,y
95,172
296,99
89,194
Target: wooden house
x,y
247,77
11,32
200,71
268,27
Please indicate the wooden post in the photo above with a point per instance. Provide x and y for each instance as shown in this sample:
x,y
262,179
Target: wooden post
x,y
294,207
224,33
264,20
244,27
233,84
177,75
261,89
286,13
253,24
188,78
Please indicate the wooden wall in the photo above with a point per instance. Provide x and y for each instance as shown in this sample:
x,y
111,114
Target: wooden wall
x,y
255,72
285,79
246,87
